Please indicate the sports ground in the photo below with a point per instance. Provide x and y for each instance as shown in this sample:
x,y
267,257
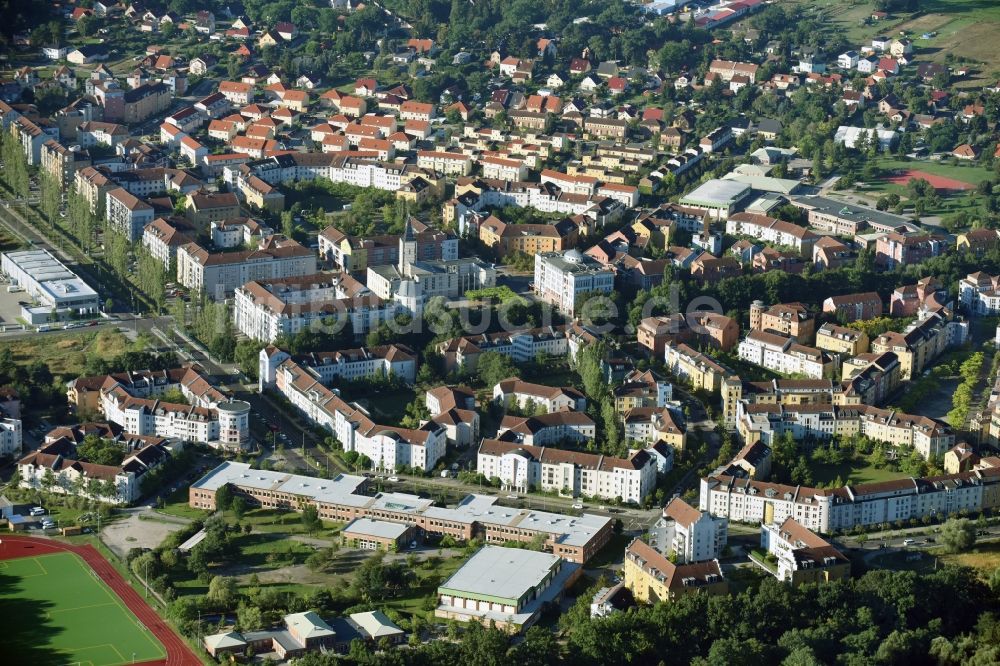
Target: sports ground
x,y
66,605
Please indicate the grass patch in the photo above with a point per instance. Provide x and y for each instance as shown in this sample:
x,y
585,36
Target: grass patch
x,y
176,504
67,353
905,560
389,406
59,613
856,471
985,557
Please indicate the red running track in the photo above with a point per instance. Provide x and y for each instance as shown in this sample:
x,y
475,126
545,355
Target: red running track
x,y
178,652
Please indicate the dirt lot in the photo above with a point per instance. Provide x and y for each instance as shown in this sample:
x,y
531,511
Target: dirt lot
x,y
136,532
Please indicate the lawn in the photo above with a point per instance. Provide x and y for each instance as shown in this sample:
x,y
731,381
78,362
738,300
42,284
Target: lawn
x,y
985,557
965,28
388,406
853,472
57,612
67,353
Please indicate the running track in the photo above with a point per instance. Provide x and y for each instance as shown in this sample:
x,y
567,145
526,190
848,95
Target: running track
x,y
178,653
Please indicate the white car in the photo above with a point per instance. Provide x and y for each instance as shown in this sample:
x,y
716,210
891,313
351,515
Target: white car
x,y
908,542
393,479
578,506
512,497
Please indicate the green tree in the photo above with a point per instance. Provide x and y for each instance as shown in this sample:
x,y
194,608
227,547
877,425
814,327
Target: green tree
x,y
494,367
222,590
310,519
957,534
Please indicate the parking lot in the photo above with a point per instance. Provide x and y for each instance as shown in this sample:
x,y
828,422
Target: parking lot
x,y
10,308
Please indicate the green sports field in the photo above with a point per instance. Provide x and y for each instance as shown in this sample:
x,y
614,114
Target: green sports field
x,y
56,611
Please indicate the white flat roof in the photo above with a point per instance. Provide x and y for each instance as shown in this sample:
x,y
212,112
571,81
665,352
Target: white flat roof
x,y
508,573
377,528
343,490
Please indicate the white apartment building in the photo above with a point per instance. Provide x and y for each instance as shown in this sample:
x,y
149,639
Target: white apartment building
x,y
266,309
979,293
75,477
550,428
450,164
768,422
521,467
10,437
346,364
550,398
127,213
784,355
797,549
227,424
832,509
688,534
388,447
772,230
563,278
501,168
219,274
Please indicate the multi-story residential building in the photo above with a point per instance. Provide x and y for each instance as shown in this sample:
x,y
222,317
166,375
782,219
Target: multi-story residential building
x,y
927,295
694,367
873,377
162,237
866,505
772,230
655,425
345,365
573,538
521,345
803,557
784,355
267,309
388,447
919,345
219,274
84,393
784,392
767,422
538,396
565,278
727,69
127,213
565,425
979,293
117,484
852,307
687,535
450,164
93,185
61,162
31,137
701,328
788,319
841,340
641,389
900,249
531,239
653,578
226,425
203,208
522,467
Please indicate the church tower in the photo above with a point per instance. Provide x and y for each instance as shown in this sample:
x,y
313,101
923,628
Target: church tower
x,y
407,249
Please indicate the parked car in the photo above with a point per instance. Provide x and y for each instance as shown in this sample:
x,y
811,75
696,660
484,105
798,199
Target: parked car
x,y
578,506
